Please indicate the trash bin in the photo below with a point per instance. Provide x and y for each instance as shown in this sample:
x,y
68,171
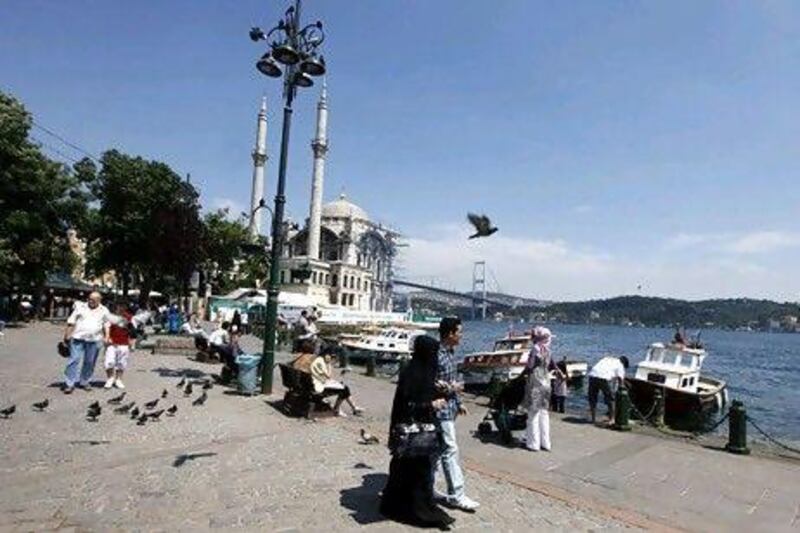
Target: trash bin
x,y
248,372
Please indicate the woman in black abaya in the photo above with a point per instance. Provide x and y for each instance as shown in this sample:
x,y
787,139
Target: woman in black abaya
x,y
407,496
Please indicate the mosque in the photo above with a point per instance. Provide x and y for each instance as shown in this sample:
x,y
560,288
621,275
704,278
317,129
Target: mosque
x,y
339,257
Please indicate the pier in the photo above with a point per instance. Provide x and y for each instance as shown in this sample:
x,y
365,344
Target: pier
x,y
240,462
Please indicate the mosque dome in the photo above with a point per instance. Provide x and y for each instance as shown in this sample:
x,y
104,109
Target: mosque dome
x,y
343,208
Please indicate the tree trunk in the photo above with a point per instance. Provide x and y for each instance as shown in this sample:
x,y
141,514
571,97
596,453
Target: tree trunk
x,y
144,289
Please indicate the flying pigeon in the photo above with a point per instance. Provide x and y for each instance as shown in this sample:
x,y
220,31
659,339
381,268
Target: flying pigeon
x,y
172,410
41,406
151,405
201,399
366,438
8,411
117,399
483,226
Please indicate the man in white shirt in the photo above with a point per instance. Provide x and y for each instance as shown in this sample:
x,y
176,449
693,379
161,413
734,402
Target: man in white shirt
x,y
86,328
606,372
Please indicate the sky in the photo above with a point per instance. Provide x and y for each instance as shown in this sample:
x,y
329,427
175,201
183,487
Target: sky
x,y
622,147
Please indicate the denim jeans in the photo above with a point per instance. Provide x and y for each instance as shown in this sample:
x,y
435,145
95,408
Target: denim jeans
x,y
449,461
77,349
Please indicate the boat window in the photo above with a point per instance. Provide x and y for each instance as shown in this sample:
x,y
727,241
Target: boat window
x,y
685,382
670,358
687,361
691,381
655,355
402,336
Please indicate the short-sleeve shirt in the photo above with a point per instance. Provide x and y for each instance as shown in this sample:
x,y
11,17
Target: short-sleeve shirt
x,y
88,323
119,333
608,368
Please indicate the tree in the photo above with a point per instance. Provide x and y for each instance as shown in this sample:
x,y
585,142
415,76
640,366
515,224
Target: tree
x,y
225,263
147,225
40,200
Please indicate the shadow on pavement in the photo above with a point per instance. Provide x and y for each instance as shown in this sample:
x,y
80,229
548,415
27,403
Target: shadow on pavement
x,y
179,372
496,438
575,420
364,501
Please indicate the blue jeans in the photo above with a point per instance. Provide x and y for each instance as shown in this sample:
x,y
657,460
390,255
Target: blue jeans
x,y
77,349
449,461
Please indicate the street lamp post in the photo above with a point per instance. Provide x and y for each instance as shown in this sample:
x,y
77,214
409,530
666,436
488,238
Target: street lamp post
x,y
296,49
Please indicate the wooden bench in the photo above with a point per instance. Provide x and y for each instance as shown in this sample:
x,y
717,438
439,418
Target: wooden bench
x,y
300,398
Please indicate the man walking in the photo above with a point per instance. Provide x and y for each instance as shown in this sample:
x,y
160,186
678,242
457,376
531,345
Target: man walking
x,y
446,381
85,331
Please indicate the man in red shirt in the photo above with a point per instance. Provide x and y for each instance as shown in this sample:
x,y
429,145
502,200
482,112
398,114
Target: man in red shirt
x,y
119,345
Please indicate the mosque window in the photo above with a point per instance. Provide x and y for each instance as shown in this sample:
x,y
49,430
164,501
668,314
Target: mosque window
x,y
283,276
335,280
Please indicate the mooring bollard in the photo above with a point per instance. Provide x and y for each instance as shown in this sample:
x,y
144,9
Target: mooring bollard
x,y
371,365
622,412
659,400
344,361
737,429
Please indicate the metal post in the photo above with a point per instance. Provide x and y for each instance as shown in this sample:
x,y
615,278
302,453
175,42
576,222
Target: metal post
x,y
622,412
658,398
737,429
371,365
273,289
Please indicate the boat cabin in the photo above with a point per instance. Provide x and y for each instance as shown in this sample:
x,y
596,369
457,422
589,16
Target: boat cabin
x,y
509,344
673,366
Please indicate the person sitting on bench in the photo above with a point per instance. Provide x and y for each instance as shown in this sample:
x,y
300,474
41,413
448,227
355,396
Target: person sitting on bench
x,y
320,369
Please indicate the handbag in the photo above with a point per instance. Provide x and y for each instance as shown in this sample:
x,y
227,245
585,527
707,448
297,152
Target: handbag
x,y
417,440
63,349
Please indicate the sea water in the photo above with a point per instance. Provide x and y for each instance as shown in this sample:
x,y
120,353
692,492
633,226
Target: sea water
x,y
761,369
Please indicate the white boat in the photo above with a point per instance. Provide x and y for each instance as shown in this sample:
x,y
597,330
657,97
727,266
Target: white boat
x,y
387,345
505,361
675,370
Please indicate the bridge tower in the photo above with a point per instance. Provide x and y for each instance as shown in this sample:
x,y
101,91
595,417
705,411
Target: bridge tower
x,y
479,288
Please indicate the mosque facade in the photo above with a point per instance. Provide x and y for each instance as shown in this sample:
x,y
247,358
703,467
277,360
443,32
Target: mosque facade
x,y
340,257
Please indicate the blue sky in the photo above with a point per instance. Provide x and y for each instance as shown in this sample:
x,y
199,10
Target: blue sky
x,y
616,144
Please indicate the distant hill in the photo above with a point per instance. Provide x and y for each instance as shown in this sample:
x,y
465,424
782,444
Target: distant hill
x,y
734,313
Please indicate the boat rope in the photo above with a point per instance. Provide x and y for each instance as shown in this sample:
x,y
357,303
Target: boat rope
x,y
718,423
771,438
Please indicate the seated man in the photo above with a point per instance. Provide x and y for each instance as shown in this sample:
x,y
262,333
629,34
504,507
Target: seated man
x,y
192,327
320,369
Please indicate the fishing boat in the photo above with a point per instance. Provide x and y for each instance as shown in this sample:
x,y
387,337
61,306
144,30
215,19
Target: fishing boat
x,y
574,369
674,369
388,345
505,361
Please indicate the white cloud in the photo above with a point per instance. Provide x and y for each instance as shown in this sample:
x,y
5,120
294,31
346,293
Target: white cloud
x,y
558,270
757,242
763,242
235,209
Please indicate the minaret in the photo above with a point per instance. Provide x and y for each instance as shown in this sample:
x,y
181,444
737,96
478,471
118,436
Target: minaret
x,y
259,160
320,147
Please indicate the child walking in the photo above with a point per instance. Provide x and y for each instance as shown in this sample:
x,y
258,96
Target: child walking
x,y
119,344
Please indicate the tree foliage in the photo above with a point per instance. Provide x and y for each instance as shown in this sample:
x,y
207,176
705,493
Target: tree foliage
x,y
40,200
226,263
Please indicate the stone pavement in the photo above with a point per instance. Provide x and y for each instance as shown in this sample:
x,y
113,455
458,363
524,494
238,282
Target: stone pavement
x,y
234,463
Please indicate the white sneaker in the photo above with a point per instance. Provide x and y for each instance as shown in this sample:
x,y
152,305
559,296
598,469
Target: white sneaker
x,y
466,504
109,383
119,384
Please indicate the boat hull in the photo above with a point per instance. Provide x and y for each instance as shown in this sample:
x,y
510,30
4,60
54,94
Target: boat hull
x,y
358,354
712,396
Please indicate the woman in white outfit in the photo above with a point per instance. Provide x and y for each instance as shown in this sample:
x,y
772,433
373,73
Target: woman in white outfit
x,y
537,398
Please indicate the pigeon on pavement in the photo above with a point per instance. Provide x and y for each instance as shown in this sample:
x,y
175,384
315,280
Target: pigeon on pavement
x,y
366,438
8,411
41,406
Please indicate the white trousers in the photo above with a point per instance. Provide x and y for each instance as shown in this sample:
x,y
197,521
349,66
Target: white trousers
x,y
117,357
538,430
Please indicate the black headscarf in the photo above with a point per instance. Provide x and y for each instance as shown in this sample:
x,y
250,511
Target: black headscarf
x,y
415,388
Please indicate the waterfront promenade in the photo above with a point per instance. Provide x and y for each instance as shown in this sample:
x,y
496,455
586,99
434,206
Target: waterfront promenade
x,y
255,468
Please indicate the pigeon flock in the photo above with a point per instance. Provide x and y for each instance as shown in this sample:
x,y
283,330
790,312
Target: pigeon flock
x,y
141,415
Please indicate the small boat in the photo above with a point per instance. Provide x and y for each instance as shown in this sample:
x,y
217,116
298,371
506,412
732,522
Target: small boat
x,y
574,370
675,370
505,361
388,345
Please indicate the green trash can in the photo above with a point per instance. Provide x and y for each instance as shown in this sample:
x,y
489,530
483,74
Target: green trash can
x,y
249,364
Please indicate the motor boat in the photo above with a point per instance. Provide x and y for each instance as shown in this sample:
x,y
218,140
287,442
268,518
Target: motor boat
x,y
505,361
674,369
388,345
